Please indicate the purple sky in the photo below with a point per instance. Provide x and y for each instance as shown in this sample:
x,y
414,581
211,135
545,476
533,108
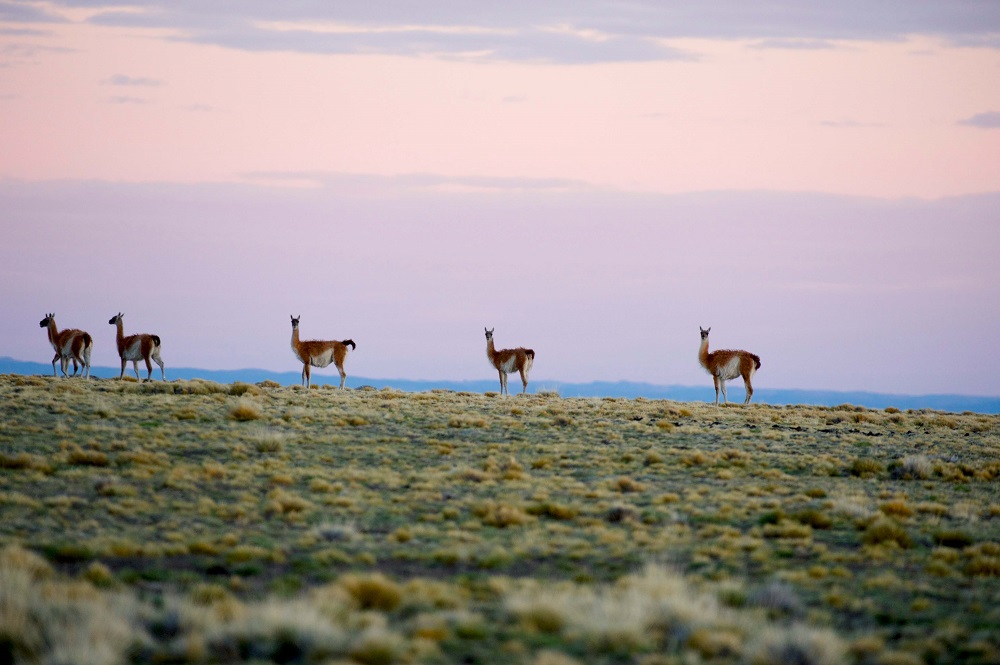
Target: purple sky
x,y
820,186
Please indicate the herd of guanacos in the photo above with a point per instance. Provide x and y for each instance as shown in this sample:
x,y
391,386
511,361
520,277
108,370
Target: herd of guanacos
x,y
75,346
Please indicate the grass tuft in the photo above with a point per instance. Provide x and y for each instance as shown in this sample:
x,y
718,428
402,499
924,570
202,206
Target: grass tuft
x,y
913,467
865,467
552,510
238,389
953,538
884,530
81,457
499,515
625,485
796,645
18,461
245,410
373,592
897,508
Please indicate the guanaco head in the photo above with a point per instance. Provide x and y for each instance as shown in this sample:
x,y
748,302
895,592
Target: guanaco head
x,y
704,332
489,333
45,322
295,321
115,319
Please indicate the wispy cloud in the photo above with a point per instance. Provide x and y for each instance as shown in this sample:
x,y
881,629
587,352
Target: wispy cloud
x,y
121,79
24,32
796,44
526,44
337,28
413,182
122,99
988,120
850,124
562,31
25,50
24,53
22,12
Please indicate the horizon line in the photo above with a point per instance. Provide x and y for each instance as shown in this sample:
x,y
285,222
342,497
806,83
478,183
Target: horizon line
x,y
540,386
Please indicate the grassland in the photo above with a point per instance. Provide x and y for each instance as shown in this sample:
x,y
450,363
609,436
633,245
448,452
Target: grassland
x,y
195,522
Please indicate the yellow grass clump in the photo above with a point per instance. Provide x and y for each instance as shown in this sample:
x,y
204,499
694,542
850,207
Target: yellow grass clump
x,y
883,531
375,592
499,514
245,410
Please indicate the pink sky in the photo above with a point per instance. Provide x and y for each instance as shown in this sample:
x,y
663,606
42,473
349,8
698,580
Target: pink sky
x,y
822,188
855,117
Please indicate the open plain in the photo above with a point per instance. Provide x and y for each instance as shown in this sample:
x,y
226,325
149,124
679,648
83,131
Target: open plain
x,y
197,522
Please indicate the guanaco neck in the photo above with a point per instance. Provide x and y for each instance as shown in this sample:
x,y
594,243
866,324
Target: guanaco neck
x,y
296,345
120,335
491,351
53,332
703,353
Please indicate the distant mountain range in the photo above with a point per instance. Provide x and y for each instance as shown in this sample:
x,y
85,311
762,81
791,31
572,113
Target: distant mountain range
x,y
627,389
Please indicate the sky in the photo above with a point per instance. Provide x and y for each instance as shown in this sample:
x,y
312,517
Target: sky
x,y
818,182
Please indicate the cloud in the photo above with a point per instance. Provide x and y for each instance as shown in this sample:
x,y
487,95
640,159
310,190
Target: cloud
x,y
530,44
24,32
796,44
413,182
562,31
19,12
850,124
24,50
122,99
121,79
22,53
988,120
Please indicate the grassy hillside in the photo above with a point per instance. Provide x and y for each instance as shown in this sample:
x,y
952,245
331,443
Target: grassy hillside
x,y
196,522
628,389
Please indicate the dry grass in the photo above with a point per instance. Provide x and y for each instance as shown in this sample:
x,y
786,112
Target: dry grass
x,y
193,522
